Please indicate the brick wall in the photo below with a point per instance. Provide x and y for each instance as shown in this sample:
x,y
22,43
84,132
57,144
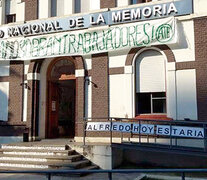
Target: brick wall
x,y
200,26
31,9
107,3
100,87
16,91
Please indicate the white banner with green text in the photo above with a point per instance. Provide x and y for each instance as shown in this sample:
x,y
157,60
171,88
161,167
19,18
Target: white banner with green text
x,y
90,41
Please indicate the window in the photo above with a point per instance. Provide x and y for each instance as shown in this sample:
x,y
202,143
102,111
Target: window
x,y
10,18
139,1
10,11
53,8
150,83
77,6
151,103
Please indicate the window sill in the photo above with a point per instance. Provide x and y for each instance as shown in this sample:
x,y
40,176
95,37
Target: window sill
x,y
153,117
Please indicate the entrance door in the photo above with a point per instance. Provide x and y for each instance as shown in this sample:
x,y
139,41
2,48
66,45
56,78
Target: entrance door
x,y
66,114
61,99
53,107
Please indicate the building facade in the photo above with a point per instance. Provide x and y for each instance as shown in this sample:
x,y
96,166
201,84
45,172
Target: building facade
x,y
47,94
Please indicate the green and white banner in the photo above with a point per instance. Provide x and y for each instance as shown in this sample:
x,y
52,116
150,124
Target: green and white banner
x,y
90,41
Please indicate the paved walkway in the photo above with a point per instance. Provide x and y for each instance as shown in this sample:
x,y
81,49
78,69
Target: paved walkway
x,y
93,177
88,177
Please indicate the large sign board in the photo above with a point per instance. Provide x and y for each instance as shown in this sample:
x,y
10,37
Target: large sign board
x,y
147,129
82,42
141,12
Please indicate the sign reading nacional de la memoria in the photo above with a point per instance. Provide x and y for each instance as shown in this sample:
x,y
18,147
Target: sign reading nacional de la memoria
x,y
121,29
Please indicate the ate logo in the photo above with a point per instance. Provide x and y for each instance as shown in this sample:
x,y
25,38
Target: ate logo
x,y
164,33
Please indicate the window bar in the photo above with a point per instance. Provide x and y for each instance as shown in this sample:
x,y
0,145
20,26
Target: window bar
x,y
139,132
111,136
151,103
122,136
147,134
176,139
131,134
170,135
155,136
204,139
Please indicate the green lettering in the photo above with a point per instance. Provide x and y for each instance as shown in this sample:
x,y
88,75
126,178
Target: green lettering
x,y
87,44
72,40
109,40
95,42
35,47
145,32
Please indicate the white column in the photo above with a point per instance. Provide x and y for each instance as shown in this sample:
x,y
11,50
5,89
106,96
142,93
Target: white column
x,y
69,7
26,69
44,9
171,91
186,94
2,12
129,93
94,5
122,3
20,13
85,6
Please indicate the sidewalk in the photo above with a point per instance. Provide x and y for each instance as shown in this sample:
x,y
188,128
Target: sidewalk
x,y
87,177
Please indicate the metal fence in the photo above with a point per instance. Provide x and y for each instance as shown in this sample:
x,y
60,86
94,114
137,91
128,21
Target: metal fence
x,y
50,174
173,140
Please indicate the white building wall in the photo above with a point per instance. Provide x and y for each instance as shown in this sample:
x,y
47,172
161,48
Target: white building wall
x,y
69,7
46,5
121,3
186,94
88,62
117,59
116,95
2,12
60,7
129,95
121,87
94,5
185,44
4,98
171,91
200,7
88,98
20,15
85,6
26,68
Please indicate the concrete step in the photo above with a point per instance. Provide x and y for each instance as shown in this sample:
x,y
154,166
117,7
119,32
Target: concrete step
x,y
91,167
82,164
22,166
77,165
36,152
34,147
31,159
52,157
56,163
34,156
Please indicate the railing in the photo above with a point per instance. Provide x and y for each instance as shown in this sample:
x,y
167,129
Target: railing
x,y
173,140
49,174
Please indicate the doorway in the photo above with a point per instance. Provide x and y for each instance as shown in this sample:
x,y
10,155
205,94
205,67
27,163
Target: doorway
x,y
61,90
